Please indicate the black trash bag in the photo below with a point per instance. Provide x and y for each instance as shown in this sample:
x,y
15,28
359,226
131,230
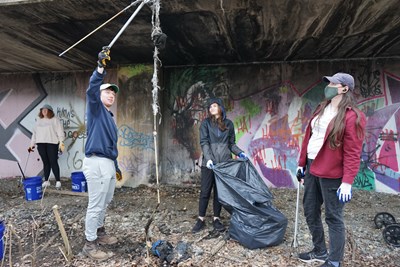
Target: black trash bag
x,y
170,255
159,40
182,251
164,250
255,222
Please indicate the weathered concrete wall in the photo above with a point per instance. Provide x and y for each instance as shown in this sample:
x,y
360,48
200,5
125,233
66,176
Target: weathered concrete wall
x,y
22,95
270,106
135,125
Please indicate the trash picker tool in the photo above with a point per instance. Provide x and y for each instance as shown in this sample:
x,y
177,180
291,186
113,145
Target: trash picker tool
x,y
26,163
23,172
126,24
23,175
102,25
296,221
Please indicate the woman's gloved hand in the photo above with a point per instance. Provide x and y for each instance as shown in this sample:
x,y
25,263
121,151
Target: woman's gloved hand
x,y
210,164
344,192
242,155
61,146
300,173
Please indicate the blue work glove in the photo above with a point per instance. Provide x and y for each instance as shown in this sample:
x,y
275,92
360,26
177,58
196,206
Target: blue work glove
x,y
344,192
210,164
300,173
154,247
243,155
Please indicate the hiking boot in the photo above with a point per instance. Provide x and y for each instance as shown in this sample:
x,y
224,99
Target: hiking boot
x,y
328,263
104,239
218,226
58,185
313,255
92,250
45,184
198,226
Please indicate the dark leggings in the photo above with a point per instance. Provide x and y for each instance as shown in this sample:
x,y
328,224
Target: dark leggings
x,y
207,184
49,155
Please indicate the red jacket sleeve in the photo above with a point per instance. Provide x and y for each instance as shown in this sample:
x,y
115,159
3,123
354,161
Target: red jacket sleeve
x,y
352,144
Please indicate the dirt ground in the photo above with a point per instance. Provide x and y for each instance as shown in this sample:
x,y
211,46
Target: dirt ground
x,y
33,235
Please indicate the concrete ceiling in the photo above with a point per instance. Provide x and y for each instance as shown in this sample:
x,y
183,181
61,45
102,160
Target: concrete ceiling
x,y
33,33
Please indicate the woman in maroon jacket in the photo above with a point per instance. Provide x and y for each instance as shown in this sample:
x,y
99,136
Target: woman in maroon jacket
x,y
329,161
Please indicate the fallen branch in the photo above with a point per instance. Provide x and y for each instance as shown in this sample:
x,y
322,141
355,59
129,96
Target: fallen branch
x,y
24,258
147,226
146,230
70,193
201,238
11,227
51,239
63,253
68,250
49,242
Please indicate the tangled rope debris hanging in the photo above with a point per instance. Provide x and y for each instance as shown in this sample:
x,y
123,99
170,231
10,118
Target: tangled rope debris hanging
x,y
157,62
159,39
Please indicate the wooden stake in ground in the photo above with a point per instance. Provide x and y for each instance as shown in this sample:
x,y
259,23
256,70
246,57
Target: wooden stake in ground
x,y
70,193
67,251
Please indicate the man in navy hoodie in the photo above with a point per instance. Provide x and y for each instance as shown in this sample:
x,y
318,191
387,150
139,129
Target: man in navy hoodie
x,y
100,163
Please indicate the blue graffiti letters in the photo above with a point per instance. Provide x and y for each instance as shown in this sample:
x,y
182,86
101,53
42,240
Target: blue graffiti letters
x,y
128,137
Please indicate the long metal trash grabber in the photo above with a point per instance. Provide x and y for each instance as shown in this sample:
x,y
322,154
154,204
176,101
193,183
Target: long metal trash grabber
x,y
296,221
127,23
23,171
102,25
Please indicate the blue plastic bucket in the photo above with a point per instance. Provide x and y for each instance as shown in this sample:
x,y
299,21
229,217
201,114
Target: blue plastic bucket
x,y
78,182
33,188
1,239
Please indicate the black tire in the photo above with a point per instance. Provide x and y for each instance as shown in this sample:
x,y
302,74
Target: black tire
x,y
391,234
382,219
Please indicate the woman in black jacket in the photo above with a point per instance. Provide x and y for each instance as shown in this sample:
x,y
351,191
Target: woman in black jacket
x,y
217,140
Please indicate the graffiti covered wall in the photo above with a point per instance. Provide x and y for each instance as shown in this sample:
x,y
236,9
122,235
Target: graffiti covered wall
x,y
22,96
270,106
135,125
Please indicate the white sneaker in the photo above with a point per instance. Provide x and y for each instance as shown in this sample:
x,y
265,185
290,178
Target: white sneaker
x,y
45,184
58,185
